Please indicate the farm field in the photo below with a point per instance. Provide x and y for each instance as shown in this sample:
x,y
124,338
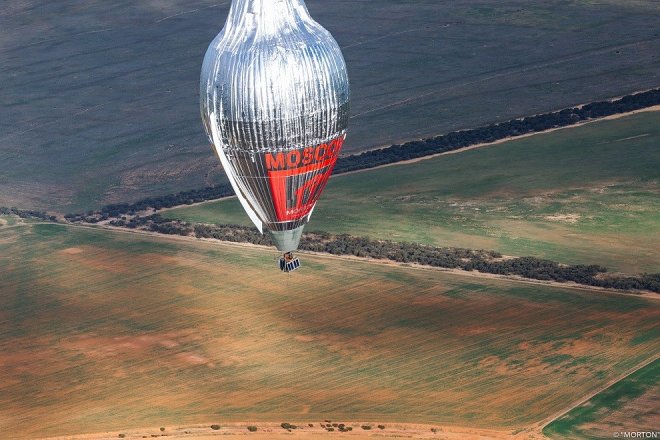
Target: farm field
x,y
106,330
582,195
631,402
100,102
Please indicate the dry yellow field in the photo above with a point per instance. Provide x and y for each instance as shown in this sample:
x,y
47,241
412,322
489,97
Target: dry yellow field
x,y
104,331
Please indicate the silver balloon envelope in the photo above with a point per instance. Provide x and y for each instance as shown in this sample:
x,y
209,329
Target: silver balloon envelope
x,y
274,100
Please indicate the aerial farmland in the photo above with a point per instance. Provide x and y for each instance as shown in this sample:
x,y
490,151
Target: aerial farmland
x,y
119,331
483,264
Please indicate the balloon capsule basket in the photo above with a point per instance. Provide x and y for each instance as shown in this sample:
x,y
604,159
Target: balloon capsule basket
x,y
289,263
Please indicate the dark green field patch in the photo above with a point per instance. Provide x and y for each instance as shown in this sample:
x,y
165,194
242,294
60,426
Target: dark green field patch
x,y
579,422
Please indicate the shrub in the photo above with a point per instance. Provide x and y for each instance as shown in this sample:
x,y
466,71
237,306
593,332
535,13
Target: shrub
x,y
121,435
215,427
162,429
252,428
366,427
381,426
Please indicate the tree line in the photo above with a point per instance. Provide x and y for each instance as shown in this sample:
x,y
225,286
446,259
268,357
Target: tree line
x,y
166,201
495,132
27,213
124,214
485,261
410,150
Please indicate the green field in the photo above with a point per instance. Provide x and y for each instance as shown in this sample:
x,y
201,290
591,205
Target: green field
x,y
100,103
104,331
630,403
587,194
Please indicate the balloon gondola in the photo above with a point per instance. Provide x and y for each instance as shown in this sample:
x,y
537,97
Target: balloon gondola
x,y
274,100
289,263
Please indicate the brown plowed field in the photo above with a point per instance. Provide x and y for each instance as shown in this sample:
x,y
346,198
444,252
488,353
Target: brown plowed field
x,y
105,332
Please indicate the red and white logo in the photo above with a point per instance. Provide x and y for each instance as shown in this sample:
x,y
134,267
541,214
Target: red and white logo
x,y
297,177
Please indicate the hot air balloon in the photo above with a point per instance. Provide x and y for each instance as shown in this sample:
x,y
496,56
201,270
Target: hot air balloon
x,y
274,101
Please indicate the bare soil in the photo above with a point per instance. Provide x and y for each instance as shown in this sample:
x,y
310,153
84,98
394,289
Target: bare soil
x,y
304,432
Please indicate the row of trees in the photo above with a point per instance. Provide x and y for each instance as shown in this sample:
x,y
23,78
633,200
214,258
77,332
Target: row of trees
x,y
483,261
446,257
494,132
410,150
167,201
27,213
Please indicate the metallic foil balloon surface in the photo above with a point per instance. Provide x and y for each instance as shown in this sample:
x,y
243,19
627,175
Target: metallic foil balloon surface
x,y
275,101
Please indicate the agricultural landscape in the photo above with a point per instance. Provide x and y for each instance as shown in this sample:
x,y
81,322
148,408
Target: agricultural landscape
x,y
111,327
633,398
587,194
118,330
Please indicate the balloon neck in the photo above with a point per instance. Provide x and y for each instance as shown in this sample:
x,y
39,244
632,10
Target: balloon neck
x,y
268,16
287,241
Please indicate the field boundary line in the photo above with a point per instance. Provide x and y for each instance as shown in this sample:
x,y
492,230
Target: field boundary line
x,y
473,274
590,396
203,202
271,429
